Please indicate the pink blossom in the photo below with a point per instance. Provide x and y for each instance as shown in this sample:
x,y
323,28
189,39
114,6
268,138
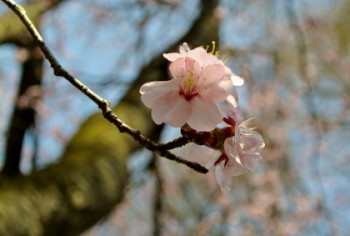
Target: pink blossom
x,y
241,154
191,96
204,58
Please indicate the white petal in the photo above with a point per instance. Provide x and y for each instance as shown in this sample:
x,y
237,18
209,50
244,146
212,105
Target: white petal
x,y
236,170
171,109
244,149
200,55
230,89
205,116
223,177
198,153
231,109
213,94
172,56
209,84
152,91
232,101
253,145
231,150
212,74
183,49
236,80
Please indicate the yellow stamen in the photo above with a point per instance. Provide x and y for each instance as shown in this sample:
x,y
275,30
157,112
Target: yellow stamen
x,y
213,47
225,58
188,83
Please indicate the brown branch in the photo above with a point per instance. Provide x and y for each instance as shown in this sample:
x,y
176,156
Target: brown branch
x,y
23,115
103,104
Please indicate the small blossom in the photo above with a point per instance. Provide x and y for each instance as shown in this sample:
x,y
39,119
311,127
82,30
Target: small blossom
x,y
241,151
233,149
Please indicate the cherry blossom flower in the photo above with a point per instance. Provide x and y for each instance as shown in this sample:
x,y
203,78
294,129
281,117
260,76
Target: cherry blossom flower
x,y
201,99
231,150
191,96
241,151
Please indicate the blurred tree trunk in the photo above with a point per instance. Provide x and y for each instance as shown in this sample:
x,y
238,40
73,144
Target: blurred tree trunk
x,y
68,197
23,116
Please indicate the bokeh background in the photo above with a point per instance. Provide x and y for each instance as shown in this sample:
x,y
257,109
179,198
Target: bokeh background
x,y
294,57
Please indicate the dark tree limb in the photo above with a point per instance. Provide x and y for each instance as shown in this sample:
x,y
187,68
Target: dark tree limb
x,y
157,198
23,116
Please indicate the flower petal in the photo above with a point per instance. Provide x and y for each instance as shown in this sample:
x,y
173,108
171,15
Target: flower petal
x,y
230,89
171,109
232,110
213,94
199,153
211,74
231,149
223,177
201,56
183,49
253,145
183,69
152,91
172,56
236,80
236,169
205,116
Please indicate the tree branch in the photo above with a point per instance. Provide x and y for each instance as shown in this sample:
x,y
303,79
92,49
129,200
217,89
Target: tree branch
x,y
68,197
23,116
157,199
103,104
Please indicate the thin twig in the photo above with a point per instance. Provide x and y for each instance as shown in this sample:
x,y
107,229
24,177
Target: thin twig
x,y
179,142
103,104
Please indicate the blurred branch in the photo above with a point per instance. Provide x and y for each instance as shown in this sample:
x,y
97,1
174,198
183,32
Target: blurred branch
x,y
103,104
310,104
23,116
157,199
11,32
35,138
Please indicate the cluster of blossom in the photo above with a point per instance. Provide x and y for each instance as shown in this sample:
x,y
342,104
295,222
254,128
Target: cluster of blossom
x,y
201,99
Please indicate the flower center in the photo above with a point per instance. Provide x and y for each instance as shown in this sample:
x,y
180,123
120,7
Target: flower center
x,y
187,96
188,84
188,89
